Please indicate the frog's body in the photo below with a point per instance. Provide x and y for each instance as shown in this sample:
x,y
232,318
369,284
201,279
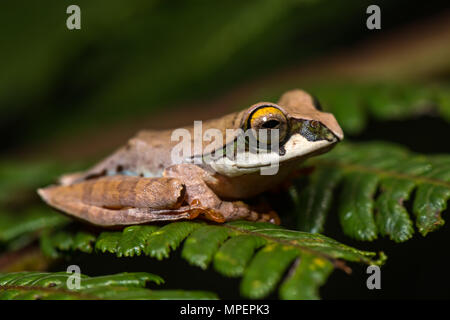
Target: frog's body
x,y
142,182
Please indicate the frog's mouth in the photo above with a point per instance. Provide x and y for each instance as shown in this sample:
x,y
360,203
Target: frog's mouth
x,y
297,148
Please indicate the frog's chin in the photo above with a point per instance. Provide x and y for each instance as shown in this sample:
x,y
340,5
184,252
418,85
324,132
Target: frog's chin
x,y
297,148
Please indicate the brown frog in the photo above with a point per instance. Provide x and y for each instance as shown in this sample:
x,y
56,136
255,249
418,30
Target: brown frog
x,y
143,181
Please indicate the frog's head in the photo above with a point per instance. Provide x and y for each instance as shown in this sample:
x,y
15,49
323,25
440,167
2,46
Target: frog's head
x,y
304,130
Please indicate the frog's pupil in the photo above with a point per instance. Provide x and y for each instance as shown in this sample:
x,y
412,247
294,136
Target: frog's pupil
x,y
271,124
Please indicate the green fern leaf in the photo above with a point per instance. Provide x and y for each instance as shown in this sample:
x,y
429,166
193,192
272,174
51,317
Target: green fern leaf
x,y
64,241
54,286
235,254
305,277
376,180
313,202
266,269
14,225
108,242
432,197
168,238
133,239
259,252
203,243
83,242
355,211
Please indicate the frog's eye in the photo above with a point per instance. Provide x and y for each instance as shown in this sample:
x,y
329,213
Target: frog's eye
x,y
266,118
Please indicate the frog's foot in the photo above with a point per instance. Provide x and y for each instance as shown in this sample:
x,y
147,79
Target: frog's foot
x,y
271,217
216,209
207,213
230,211
238,210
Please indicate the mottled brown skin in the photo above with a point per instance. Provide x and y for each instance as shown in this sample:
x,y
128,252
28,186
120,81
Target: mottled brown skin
x,y
105,196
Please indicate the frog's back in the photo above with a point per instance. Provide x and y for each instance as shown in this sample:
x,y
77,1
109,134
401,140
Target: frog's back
x,y
149,152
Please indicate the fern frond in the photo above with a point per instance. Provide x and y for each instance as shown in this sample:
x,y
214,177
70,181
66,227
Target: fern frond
x,y
60,240
376,181
259,252
54,286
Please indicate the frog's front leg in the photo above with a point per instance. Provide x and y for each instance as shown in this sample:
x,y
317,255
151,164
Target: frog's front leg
x,y
123,200
196,182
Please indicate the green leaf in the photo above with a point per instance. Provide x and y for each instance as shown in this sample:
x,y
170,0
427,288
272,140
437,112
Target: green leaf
x,y
14,225
314,200
260,252
108,242
53,244
121,279
266,269
356,209
375,182
83,242
234,255
203,244
392,217
55,286
431,198
318,244
168,238
304,278
133,240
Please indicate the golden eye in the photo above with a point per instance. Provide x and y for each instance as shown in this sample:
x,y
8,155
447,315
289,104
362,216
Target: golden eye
x,y
267,118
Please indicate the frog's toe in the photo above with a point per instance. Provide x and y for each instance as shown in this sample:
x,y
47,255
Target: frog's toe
x,y
271,217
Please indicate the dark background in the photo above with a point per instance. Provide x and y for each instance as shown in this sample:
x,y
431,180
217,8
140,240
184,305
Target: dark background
x,y
73,96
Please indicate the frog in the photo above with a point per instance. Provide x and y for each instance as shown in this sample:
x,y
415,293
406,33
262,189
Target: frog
x,y
142,183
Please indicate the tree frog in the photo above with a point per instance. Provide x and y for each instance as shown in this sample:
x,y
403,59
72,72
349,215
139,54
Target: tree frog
x,y
141,182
